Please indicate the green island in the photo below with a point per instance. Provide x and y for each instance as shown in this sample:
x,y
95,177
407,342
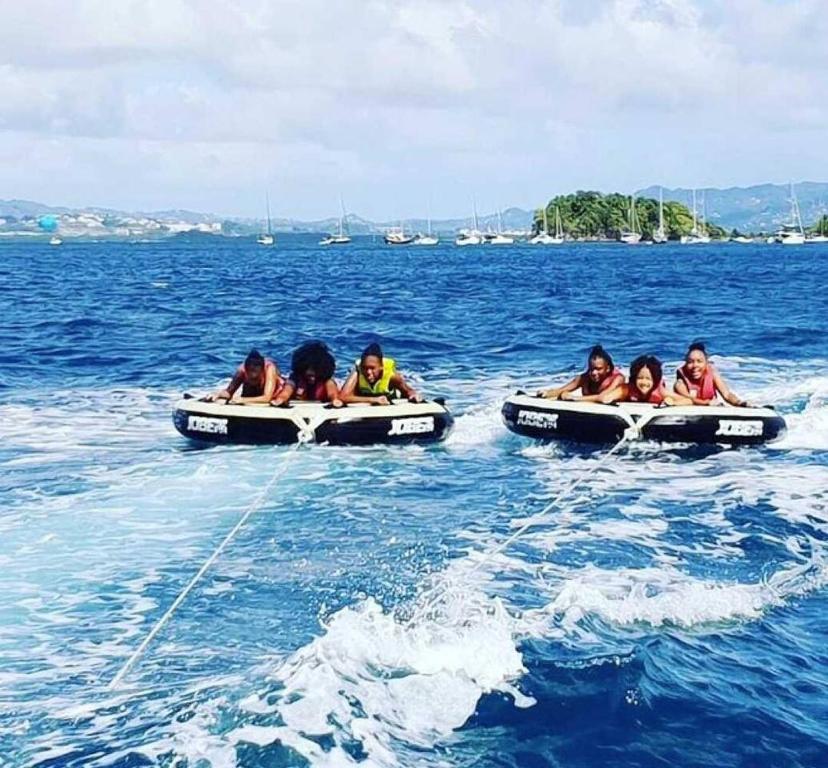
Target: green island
x,y
595,216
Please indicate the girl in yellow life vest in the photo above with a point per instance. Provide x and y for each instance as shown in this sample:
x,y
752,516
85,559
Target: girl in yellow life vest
x,y
375,380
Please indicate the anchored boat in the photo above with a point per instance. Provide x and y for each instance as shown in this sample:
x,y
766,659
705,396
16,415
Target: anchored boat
x,y
400,423
576,421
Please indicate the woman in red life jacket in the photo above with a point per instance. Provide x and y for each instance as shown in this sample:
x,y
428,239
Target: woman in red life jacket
x,y
701,382
646,385
259,379
600,376
311,376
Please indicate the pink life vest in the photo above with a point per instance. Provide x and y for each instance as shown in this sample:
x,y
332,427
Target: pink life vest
x,y
704,389
656,396
316,394
269,365
612,380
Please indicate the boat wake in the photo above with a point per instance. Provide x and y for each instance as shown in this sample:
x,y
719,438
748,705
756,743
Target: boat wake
x,y
656,544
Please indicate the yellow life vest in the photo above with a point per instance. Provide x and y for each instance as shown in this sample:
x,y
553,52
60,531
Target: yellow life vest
x,y
383,385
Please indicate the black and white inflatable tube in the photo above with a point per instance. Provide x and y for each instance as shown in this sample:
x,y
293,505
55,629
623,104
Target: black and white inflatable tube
x,y
400,423
597,423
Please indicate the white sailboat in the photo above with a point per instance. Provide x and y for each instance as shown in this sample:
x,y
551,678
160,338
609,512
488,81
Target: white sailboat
x,y
499,238
266,238
821,236
793,233
544,238
55,240
632,235
470,236
660,235
341,238
697,234
427,239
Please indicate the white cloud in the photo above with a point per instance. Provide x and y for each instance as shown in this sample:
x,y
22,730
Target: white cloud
x,y
204,104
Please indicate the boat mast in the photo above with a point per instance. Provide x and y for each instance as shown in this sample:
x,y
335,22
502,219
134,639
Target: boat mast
x,y
703,226
695,229
633,216
267,202
796,217
558,224
661,211
341,215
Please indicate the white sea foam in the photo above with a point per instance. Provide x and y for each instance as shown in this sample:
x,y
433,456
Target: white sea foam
x,y
385,682
478,426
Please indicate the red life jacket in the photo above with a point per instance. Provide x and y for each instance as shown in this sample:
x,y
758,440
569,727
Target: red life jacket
x,y
318,393
256,390
704,389
656,396
612,380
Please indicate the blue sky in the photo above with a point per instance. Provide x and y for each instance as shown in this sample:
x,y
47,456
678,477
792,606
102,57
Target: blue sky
x,y
395,103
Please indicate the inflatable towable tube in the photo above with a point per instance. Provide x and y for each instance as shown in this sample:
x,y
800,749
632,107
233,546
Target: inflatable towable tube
x,y
598,423
400,423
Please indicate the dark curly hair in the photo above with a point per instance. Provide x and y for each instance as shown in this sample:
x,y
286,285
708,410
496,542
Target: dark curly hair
x,y
315,355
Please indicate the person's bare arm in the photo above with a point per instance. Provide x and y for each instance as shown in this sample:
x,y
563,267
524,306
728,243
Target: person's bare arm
x,y
398,382
332,392
227,392
676,398
556,392
285,395
726,393
614,395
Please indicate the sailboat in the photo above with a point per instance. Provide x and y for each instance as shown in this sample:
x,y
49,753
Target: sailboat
x,y
697,234
820,236
499,238
544,238
427,239
660,235
266,238
792,234
55,240
632,235
341,238
470,236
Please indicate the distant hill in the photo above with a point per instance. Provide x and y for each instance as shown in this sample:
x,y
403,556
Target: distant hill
x,y
22,209
513,218
762,208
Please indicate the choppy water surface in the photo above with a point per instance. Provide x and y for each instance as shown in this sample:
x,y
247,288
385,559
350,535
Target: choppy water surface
x,y
672,611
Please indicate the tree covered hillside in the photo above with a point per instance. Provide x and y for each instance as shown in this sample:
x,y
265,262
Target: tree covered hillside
x,y
594,215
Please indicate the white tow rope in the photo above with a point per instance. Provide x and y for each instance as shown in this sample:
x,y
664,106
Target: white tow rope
x,y
631,433
254,506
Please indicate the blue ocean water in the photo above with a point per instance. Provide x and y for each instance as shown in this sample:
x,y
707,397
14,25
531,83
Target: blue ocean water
x,y
672,611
